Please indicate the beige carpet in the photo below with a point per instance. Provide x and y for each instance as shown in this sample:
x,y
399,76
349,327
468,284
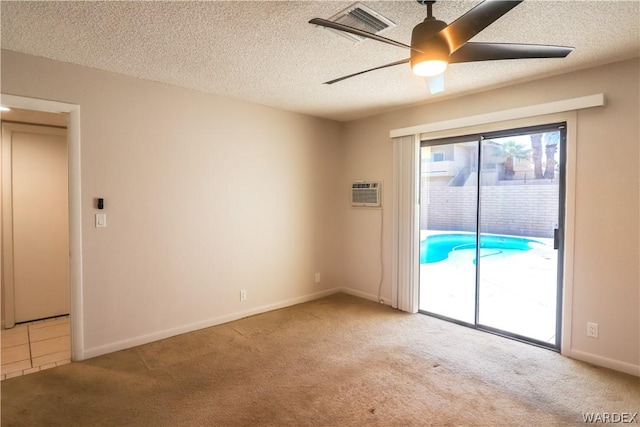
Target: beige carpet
x,y
337,361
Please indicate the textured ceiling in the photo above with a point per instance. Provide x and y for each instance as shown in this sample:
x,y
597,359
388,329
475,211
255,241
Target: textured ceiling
x,y
266,52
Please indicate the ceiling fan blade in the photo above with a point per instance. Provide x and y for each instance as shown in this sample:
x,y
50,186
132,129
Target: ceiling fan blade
x,y
357,32
472,52
403,61
436,84
471,23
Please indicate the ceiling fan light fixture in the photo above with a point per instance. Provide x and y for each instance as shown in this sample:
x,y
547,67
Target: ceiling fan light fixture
x,y
429,68
430,53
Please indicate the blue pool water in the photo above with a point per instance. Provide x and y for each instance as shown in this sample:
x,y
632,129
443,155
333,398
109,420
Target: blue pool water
x,y
438,246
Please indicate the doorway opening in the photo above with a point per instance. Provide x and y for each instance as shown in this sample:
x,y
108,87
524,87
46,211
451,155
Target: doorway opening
x,y
491,231
35,242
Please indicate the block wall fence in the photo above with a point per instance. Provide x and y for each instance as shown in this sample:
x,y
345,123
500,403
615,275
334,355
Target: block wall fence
x,y
520,210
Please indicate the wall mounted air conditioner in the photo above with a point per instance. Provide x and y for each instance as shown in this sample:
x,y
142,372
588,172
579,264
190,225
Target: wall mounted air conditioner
x,y
366,194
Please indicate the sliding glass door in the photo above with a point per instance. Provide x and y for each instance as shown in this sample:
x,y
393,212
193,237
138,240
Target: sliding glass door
x,y
491,231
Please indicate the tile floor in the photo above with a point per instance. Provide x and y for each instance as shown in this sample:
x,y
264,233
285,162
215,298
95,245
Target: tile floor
x,y
35,346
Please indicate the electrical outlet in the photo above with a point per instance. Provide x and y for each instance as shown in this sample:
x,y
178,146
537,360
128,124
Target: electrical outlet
x,y
243,295
592,329
317,277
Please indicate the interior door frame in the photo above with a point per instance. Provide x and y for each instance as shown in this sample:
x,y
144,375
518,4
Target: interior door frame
x,y
75,211
492,123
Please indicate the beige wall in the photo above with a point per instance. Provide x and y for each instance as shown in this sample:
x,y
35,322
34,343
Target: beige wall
x,y
204,196
606,277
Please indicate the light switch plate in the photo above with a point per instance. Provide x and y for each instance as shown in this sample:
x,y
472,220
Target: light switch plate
x,y
101,220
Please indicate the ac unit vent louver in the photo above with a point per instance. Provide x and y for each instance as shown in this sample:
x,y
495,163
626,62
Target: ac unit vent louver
x,y
366,194
363,18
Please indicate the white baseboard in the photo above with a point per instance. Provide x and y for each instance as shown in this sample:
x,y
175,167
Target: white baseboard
x,y
365,295
605,362
145,339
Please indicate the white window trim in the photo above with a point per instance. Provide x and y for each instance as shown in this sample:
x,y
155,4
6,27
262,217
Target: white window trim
x,y
554,107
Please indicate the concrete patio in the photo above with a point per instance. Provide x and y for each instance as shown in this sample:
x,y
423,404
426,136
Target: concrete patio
x,y
517,289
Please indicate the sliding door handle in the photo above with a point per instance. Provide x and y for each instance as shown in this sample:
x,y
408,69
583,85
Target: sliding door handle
x,y
556,238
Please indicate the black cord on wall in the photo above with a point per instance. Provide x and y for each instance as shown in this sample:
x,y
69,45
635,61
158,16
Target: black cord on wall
x,y
380,300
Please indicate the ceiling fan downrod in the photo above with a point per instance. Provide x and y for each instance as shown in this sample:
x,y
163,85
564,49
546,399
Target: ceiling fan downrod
x,y
429,4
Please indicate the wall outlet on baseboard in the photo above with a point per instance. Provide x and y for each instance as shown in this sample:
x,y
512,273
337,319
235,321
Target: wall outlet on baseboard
x,y
243,294
317,278
592,330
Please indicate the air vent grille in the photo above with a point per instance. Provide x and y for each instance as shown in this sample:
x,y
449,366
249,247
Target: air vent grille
x,y
360,19
363,18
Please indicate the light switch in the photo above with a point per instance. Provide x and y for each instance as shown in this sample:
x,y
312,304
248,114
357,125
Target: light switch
x,y
101,220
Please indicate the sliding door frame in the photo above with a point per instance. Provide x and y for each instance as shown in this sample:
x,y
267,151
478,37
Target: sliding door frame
x,y
566,124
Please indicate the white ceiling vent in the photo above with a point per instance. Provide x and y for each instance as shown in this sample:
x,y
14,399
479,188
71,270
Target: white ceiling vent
x,y
363,18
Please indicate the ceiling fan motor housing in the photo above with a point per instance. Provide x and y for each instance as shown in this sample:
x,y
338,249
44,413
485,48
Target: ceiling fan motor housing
x,y
425,46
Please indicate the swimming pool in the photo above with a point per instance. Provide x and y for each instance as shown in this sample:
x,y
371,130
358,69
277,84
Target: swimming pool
x,y
438,246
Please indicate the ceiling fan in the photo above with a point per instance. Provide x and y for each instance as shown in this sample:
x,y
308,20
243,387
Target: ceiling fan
x,y
434,44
